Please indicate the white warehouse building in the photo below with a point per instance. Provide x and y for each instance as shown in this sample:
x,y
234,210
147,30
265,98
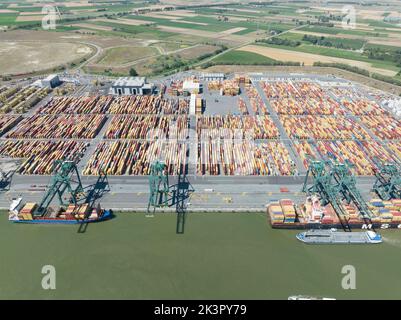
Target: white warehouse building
x,y
131,86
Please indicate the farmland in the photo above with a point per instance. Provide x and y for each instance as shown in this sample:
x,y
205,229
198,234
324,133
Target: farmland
x,y
242,57
232,27
121,55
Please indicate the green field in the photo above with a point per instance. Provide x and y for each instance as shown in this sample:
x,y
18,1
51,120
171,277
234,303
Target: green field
x,y
220,256
7,19
333,30
338,53
121,55
355,44
215,27
242,57
147,32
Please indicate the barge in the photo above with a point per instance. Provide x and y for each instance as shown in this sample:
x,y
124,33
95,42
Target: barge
x,y
80,214
339,237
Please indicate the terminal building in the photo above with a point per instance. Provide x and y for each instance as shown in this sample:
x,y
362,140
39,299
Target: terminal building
x,y
131,86
212,76
51,81
191,87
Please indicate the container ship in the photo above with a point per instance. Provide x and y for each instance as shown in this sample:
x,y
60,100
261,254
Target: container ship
x,y
285,214
73,214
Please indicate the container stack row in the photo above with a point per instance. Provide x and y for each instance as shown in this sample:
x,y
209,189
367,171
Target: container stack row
x,y
95,105
257,104
7,122
323,128
175,88
228,157
148,105
300,98
256,127
305,151
147,127
395,148
272,158
384,127
361,154
39,155
386,211
226,87
282,211
153,104
21,99
288,210
243,109
62,127
135,157
225,157
363,107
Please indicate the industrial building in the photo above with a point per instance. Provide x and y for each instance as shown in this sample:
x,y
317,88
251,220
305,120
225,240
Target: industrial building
x,y
131,86
51,81
191,87
212,76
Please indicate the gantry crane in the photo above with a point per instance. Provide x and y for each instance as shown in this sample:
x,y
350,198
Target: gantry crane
x,y
388,181
346,183
323,184
62,181
5,179
158,186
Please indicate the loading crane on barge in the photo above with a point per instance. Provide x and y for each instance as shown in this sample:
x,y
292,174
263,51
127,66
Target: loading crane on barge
x,y
335,183
388,181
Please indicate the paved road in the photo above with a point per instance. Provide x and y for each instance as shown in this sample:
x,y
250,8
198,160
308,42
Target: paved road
x,y
211,194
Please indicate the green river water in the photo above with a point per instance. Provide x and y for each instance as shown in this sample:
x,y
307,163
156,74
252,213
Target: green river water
x,y
220,256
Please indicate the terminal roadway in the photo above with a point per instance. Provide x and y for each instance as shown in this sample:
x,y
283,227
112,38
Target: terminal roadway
x,y
211,193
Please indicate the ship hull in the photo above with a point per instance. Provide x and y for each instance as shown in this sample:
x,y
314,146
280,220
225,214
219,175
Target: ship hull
x,y
307,226
106,216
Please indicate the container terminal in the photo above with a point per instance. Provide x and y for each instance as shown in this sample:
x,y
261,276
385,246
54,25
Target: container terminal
x,y
309,151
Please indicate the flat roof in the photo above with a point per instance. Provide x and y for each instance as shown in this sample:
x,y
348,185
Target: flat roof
x,y
213,75
50,77
129,82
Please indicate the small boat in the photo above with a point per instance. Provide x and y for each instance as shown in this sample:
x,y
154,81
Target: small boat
x,y
302,297
333,236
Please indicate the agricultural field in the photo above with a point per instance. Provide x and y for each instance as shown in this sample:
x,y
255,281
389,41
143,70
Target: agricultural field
x,y
295,33
123,55
243,57
308,55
